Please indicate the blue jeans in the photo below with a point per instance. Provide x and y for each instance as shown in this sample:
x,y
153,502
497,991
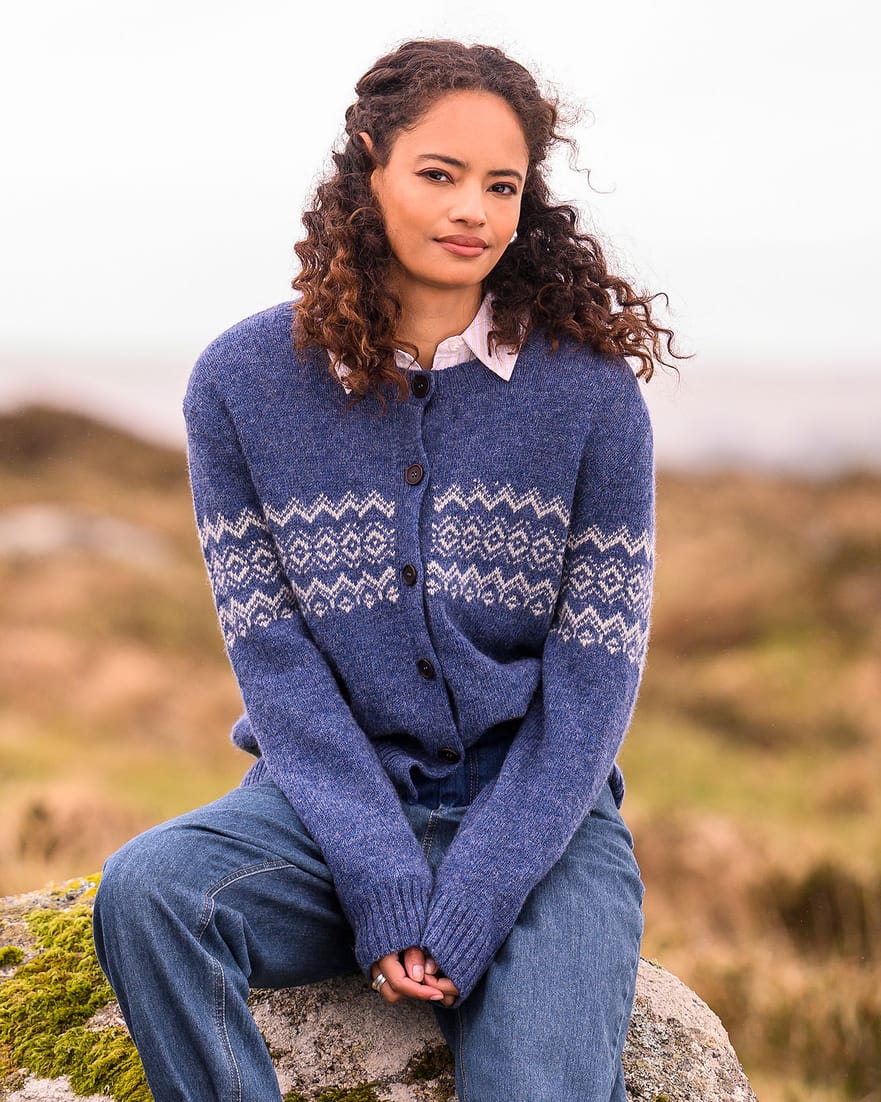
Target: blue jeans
x,y
194,912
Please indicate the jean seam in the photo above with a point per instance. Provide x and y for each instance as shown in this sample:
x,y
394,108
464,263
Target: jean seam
x,y
232,878
428,837
460,1054
220,1023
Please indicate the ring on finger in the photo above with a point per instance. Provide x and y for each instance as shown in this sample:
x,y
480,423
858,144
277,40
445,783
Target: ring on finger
x,y
378,982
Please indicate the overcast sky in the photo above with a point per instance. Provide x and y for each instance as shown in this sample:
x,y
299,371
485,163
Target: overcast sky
x,y
157,156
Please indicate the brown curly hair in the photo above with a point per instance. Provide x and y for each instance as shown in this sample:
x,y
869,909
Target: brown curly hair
x,y
553,276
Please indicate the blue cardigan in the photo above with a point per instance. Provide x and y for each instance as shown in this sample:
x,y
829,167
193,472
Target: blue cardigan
x,y
393,587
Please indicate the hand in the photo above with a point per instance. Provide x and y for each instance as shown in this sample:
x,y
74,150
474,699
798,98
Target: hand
x,y
413,975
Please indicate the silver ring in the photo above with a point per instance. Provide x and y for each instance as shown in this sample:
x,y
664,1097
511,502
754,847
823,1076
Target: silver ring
x,y
379,981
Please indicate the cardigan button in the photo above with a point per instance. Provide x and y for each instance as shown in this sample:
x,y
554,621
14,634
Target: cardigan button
x,y
450,755
420,384
415,474
426,669
408,573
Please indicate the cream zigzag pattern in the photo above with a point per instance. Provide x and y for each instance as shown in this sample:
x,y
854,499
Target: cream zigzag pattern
x,y
494,588
345,595
238,617
479,493
221,527
634,543
360,504
255,580
616,633
239,526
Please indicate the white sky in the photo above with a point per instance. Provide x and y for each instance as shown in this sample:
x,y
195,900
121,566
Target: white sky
x,y
156,157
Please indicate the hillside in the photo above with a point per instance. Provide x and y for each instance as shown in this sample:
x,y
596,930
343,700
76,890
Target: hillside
x,y
752,764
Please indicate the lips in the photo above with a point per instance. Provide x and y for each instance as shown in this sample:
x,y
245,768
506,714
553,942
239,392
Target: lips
x,y
462,245
459,239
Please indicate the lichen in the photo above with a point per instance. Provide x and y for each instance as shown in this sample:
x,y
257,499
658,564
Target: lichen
x,y
46,1003
10,954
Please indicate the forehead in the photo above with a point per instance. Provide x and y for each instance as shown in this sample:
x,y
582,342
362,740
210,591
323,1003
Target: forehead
x,y
470,126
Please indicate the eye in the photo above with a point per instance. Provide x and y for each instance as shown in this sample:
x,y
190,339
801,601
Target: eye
x,y
435,174
507,189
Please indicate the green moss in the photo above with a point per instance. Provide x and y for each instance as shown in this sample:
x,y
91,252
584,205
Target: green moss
x,y
10,954
365,1092
45,1005
429,1064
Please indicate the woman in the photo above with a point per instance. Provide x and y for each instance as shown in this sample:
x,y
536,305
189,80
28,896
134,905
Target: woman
x,y
424,493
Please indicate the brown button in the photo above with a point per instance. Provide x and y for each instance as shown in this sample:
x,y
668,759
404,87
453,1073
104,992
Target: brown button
x,y
426,669
415,474
409,574
447,754
420,384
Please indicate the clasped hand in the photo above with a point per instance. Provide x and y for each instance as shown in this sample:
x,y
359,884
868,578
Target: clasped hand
x,y
413,975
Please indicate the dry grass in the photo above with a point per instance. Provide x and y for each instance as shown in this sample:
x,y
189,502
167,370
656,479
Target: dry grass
x,y
752,764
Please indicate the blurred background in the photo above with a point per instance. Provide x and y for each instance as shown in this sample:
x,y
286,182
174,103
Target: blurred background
x,y
156,158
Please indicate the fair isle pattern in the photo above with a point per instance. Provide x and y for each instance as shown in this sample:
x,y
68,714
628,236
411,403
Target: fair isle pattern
x,y
325,567
606,590
497,546
249,587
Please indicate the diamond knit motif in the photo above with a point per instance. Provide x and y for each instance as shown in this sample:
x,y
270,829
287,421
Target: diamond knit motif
x,y
606,590
323,556
500,546
497,546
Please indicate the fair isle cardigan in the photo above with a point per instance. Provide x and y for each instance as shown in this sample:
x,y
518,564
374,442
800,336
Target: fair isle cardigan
x,y
393,589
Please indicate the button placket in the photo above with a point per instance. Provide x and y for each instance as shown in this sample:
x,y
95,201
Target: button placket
x,y
415,476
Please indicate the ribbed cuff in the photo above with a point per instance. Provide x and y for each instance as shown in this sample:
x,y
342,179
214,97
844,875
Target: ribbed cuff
x,y
461,938
388,919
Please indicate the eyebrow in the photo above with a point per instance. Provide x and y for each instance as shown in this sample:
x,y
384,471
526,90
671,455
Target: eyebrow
x,y
461,164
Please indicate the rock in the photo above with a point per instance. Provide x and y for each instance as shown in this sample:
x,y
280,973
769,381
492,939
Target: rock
x,y
38,530
330,1036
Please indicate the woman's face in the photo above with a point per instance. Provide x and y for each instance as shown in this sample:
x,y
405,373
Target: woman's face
x,y
450,192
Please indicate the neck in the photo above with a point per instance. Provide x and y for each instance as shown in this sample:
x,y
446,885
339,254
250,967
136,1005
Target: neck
x,y
429,316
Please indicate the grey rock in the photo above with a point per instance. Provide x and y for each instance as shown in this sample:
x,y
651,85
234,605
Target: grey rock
x,y
340,1035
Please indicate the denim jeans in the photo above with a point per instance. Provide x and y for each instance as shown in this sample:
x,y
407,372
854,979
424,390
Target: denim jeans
x,y
194,912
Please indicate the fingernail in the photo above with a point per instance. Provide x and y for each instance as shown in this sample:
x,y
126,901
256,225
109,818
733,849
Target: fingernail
x,y
434,998
418,972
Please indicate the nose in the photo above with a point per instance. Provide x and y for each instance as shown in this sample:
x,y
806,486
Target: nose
x,y
468,205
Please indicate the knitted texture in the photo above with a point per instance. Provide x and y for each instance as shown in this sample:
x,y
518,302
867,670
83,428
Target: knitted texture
x,y
393,589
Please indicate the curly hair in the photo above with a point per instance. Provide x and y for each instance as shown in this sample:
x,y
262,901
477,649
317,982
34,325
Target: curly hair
x,y
552,276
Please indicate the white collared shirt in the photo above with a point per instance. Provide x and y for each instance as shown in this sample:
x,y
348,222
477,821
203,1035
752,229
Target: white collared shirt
x,y
459,349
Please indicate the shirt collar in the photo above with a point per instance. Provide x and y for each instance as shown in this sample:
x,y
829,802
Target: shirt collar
x,y
459,349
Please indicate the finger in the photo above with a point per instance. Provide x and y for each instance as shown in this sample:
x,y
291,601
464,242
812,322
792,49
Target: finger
x,y
385,990
401,983
430,965
445,986
414,963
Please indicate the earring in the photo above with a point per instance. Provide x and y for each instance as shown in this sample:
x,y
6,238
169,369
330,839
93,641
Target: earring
x,y
513,238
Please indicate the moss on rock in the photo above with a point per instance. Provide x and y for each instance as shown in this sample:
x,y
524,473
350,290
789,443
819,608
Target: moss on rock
x,y
47,1002
10,954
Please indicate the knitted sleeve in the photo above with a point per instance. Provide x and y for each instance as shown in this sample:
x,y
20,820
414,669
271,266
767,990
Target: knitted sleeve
x,y
566,746
310,742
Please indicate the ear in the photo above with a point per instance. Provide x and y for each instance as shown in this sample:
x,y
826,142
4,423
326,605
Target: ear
x,y
367,140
